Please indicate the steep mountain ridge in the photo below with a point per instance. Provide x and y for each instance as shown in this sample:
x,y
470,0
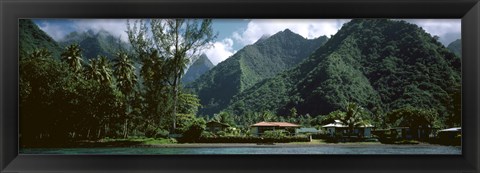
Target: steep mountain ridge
x,y
253,63
95,43
378,63
31,37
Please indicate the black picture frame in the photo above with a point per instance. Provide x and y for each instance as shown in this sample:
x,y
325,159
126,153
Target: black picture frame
x,y
12,10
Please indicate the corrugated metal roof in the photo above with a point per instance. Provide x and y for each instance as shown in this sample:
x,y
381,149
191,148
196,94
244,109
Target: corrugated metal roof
x,y
334,125
275,124
338,123
451,129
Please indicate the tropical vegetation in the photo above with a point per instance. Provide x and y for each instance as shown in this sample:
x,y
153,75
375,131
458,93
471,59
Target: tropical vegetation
x,y
387,73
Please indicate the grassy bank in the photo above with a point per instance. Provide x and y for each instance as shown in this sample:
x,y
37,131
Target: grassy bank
x,y
152,142
130,142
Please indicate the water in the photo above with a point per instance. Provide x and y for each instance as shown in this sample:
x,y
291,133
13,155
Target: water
x,y
348,150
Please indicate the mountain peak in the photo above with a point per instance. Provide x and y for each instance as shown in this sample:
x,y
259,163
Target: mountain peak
x,y
288,31
198,68
94,43
203,59
251,64
288,34
282,36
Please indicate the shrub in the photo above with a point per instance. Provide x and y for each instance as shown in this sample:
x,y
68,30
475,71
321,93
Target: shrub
x,y
252,139
207,134
194,131
275,134
221,133
150,132
161,133
153,132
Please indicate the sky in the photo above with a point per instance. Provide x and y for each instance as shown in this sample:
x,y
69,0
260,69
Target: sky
x,y
233,34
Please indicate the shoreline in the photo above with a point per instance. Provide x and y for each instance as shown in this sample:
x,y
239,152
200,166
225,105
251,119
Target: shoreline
x,y
278,145
131,144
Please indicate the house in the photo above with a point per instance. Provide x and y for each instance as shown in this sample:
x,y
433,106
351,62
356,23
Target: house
x,y
450,133
337,127
214,126
451,136
413,133
259,128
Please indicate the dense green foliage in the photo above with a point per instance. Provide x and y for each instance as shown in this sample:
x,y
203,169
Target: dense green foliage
x,y
71,98
31,37
63,103
199,67
353,116
253,63
413,117
378,71
59,104
176,43
380,64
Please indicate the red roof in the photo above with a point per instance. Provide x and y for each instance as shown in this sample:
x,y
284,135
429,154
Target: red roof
x,y
275,124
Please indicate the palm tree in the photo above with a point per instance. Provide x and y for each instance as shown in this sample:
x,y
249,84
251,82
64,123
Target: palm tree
x,y
125,73
126,79
91,70
105,69
40,53
266,116
224,117
73,57
99,69
353,117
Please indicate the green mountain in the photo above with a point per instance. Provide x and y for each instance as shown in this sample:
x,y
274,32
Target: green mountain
x,y
253,63
31,37
378,63
456,47
199,67
95,43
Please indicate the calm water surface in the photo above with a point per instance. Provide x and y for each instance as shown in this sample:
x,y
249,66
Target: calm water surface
x,y
383,149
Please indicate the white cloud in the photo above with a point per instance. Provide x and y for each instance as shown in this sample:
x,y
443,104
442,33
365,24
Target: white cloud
x,y
58,30
447,29
55,31
116,27
308,28
220,51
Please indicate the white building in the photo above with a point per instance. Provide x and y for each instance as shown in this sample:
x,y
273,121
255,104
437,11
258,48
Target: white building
x,y
337,127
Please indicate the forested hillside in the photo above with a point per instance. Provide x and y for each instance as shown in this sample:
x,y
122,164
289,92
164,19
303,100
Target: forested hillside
x,y
264,59
94,44
31,37
456,47
380,64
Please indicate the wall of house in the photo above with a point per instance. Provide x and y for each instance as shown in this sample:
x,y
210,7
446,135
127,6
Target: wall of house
x,y
368,132
330,131
215,128
254,131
